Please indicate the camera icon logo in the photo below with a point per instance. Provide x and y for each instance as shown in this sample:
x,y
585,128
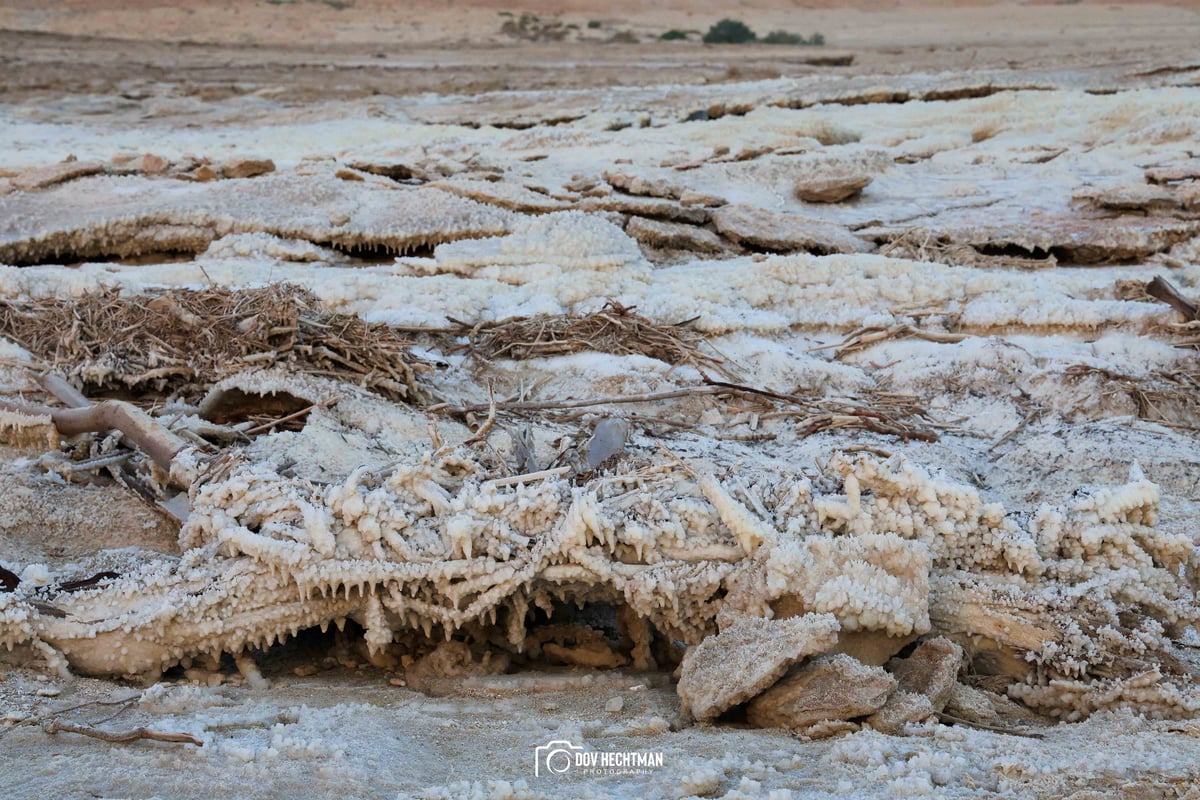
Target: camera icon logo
x,y
554,758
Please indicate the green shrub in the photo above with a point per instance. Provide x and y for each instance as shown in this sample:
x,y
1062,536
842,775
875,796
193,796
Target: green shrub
x,y
817,39
674,35
729,31
783,37
594,23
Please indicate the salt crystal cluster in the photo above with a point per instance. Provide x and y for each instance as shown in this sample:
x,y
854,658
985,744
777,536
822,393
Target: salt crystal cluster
x,y
878,548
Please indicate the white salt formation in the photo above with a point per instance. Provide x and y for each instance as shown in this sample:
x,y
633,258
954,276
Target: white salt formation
x,y
430,544
919,501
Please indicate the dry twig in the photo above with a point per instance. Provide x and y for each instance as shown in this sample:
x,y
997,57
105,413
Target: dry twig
x,y
613,329
1152,394
865,337
58,726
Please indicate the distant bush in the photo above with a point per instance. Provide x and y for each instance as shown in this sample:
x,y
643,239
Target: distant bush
x,y
729,31
783,37
594,23
533,28
673,35
732,31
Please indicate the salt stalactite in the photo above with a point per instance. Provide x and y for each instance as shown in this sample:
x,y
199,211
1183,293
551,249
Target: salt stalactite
x,y
1066,595
127,215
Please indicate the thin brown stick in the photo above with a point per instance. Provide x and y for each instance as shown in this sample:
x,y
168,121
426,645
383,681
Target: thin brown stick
x,y
943,716
58,726
268,425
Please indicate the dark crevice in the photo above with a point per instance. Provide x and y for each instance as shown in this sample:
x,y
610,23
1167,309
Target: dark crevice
x,y
72,259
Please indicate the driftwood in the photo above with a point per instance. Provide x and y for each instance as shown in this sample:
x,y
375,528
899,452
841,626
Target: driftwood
x,y
1162,289
58,726
153,438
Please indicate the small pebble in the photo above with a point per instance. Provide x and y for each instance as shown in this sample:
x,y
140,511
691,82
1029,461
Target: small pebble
x,y
614,705
397,682
49,691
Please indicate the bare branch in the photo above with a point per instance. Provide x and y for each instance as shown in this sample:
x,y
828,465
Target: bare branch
x,y
56,385
58,726
154,439
1162,289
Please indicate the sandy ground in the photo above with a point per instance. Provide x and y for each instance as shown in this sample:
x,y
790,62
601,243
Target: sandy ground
x,y
995,127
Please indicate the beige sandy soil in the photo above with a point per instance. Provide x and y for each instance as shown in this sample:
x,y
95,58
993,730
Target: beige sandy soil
x,y
316,51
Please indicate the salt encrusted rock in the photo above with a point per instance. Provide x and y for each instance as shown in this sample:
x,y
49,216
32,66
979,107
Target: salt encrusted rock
x,y
674,235
247,167
204,173
902,708
132,215
1141,197
872,582
567,240
258,245
645,206
1073,237
1189,195
747,657
639,185
449,660
835,687
771,230
988,708
51,174
831,187
152,164
503,194
827,729
931,670
870,647
693,198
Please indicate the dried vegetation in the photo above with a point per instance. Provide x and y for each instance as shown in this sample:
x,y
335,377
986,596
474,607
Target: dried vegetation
x,y
182,341
615,329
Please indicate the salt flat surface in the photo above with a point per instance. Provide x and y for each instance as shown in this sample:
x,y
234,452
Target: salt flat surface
x,y
985,291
